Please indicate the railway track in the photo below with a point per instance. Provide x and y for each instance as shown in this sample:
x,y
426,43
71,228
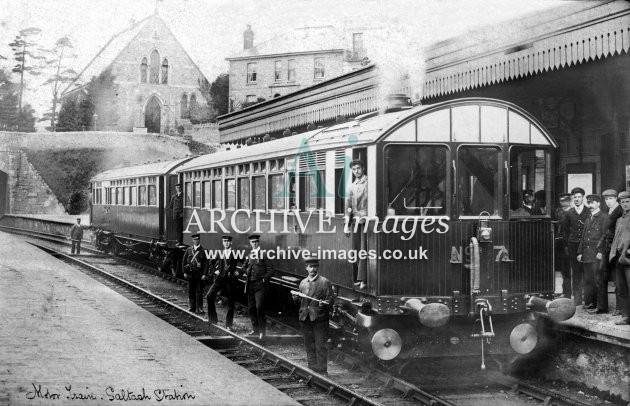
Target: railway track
x,y
280,360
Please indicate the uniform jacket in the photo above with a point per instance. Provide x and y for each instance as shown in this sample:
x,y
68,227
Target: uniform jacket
x,y
622,235
177,206
257,268
593,240
356,202
195,262
612,224
320,288
76,232
573,225
225,266
532,211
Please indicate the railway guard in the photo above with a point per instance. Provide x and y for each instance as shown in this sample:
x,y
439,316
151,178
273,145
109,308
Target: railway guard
x,y
614,212
195,270
225,281
315,298
356,213
572,228
76,235
619,256
258,272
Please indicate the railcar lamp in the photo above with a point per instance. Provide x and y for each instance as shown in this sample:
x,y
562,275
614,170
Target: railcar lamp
x,y
485,231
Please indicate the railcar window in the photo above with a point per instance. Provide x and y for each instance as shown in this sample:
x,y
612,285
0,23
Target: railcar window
x,y
529,172
314,187
259,193
230,194
197,194
217,201
478,181
126,199
118,196
207,203
142,195
188,194
243,193
277,195
134,196
340,190
112,195
152,192
416,179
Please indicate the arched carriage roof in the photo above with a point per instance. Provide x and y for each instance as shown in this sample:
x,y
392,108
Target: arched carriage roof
x,y
362,131
151,169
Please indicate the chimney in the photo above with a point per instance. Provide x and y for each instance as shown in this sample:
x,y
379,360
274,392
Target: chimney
x,y
248,38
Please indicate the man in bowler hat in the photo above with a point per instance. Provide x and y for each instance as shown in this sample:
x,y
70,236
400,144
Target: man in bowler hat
x,y
591,253
258,273
195,270
225,281
313,315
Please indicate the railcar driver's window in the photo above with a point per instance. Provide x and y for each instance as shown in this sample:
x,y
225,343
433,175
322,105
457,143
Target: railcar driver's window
x,y
478,181
528,182
416,180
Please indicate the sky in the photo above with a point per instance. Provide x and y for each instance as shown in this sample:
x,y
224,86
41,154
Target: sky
x,y
212,30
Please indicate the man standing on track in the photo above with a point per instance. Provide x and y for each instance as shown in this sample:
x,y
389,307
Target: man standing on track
x,y
258,272
195,269
76,235
225,280
314,315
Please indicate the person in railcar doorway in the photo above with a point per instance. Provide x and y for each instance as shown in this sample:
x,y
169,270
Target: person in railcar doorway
x,y
619,257
562,260
176,206
573,227
76,235
195,270
614,213
258,273
355,221
315,300
591,251
226,275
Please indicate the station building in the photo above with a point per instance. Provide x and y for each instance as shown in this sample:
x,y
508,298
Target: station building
x,y
157,82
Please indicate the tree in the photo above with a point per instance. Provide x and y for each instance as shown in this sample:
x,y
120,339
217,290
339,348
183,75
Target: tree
x,y
219,93
68,115
101,93
11,117
21,47
60,77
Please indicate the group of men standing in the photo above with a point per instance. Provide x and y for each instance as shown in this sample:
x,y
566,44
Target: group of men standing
x,y
594,245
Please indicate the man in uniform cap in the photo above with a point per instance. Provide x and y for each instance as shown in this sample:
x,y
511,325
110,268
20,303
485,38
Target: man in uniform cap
x,y
572,229
258,272
591,253
528,203
225,280
355,218
562,260
76,235
315,304
176,206
620,244
614,212
195,269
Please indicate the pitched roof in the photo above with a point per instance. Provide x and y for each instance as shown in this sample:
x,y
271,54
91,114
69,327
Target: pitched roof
x,y
299,40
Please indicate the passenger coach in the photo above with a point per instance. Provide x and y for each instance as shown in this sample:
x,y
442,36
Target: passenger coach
x,y
457,170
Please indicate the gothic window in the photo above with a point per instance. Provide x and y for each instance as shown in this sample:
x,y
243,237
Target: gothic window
x,y
192,106
165,71
183,106
154,68
143,71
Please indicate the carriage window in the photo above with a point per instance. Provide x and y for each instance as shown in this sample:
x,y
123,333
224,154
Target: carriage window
x,y
217,202
207,203
119,196
416,180
188,194
529,189
260,192
112,195
142,195
133,195
197,194
230,194
314,187
478,181
243,193
152,196
340,190
277,195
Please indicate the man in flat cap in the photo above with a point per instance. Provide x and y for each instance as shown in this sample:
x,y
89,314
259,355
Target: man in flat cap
x,y
355,220
258,273
76,235
176,206
619,248
591,253
572,229
314,309
614,213
195,270
528,203
225,281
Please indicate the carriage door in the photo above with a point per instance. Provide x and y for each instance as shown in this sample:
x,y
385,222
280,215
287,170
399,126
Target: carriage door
x,y
3,193
152,115
169,187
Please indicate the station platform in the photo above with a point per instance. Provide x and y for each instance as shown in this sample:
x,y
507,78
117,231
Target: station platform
x,y
66,339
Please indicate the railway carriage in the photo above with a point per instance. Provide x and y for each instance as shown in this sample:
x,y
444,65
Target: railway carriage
x,y
129,211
